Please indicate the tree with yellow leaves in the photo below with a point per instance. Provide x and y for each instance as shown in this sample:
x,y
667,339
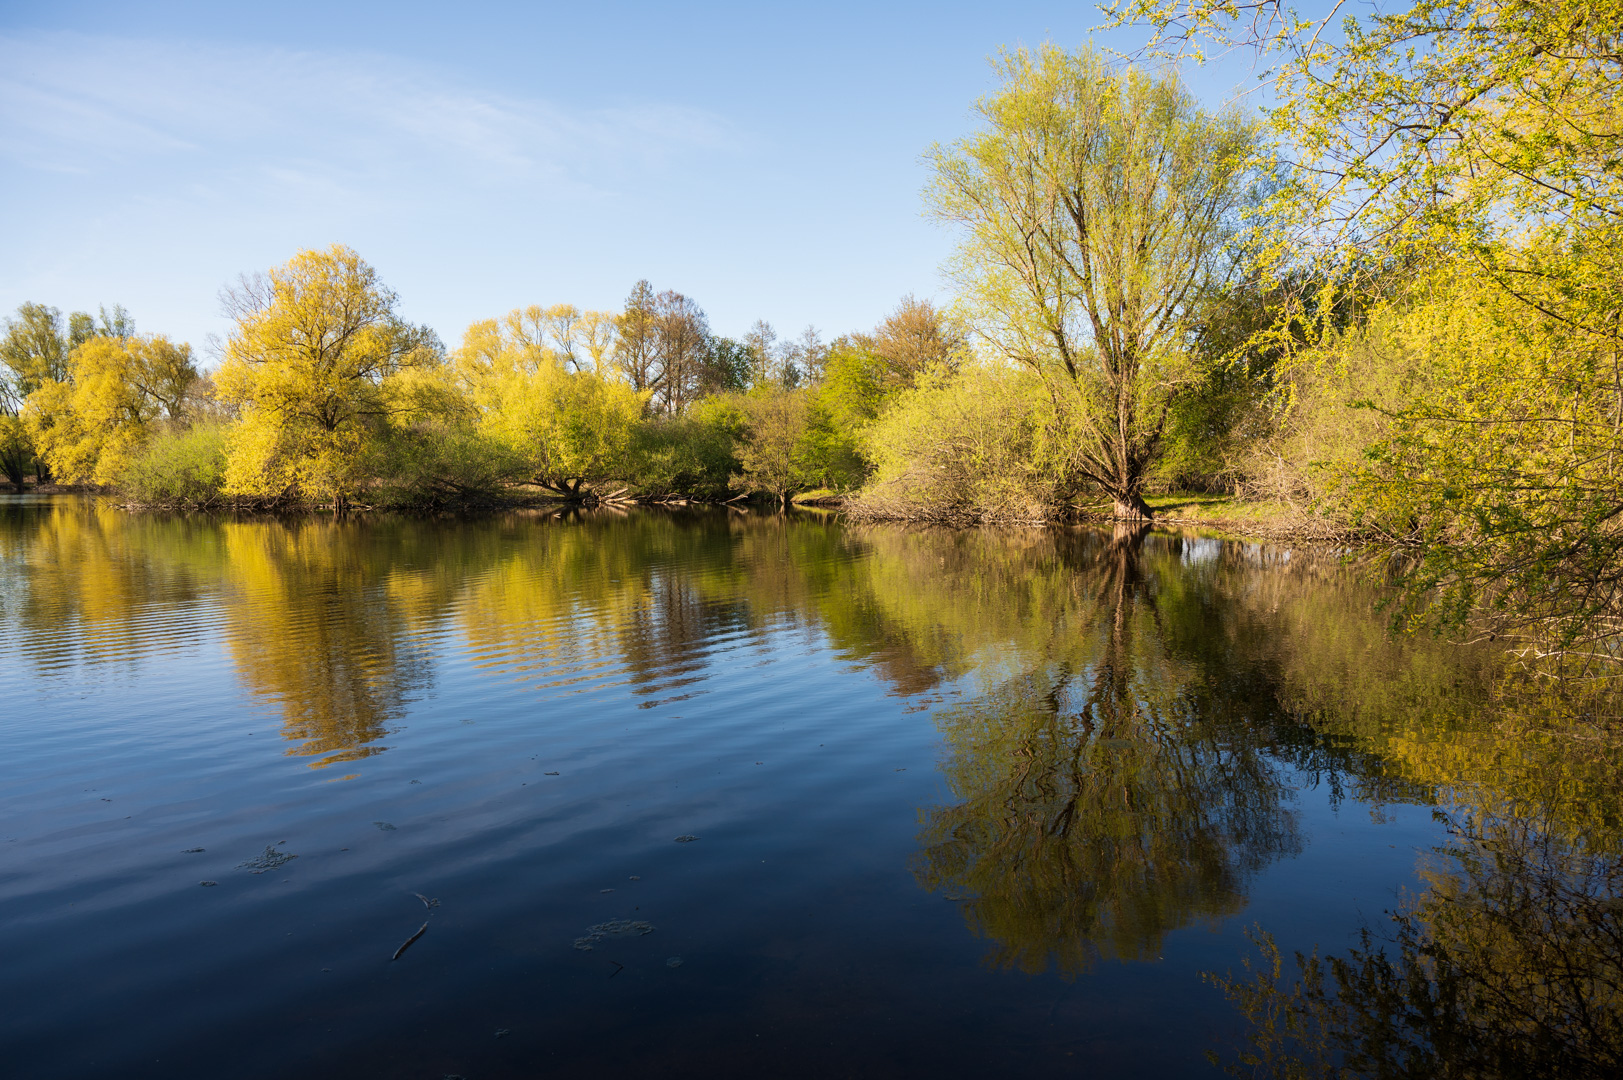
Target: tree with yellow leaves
x,y
117,391
566,426
312,365
1457,166
1095,208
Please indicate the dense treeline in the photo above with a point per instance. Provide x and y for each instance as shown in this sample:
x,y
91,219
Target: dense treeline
x,y
324,396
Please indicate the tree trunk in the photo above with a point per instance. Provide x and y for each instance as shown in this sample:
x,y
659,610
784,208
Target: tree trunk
x,y
1130,507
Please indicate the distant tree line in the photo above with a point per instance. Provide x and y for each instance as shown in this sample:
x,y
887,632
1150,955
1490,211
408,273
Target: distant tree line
x,y
325,396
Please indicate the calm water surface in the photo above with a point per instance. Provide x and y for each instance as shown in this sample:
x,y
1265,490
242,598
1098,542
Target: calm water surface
x,y
966,803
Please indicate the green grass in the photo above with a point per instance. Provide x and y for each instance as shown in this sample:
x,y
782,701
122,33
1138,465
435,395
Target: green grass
x,y
1215,508
817,493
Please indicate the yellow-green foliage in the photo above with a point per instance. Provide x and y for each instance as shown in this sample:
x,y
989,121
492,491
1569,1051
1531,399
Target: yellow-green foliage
x,y
694,454
771,454
309,364
978,444
562,425
1095,207
118,390
1501,457
184,467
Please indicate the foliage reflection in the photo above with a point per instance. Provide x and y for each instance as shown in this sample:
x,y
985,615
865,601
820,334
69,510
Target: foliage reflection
x,y
1132,715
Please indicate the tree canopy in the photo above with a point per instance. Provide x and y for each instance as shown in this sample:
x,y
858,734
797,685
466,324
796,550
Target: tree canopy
x,y
316,344
1094,209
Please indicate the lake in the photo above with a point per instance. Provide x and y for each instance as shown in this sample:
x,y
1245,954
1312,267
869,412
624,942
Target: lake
x,y
712,793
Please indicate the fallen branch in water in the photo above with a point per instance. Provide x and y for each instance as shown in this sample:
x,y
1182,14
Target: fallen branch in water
x,y
421,930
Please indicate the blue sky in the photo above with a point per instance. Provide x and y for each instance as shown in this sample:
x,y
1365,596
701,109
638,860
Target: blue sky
x,y
762,159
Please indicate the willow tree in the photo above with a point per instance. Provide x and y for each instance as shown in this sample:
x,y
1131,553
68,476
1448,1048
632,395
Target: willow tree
x,y
119,390
1476,146
559,425
1096,206
317,342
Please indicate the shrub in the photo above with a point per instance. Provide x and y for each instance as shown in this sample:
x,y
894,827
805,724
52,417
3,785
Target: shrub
x,y
691,455
179,468
432,464
978,445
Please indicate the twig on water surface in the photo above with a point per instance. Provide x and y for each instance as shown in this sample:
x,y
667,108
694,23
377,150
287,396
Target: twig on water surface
x,y
618,967
421,930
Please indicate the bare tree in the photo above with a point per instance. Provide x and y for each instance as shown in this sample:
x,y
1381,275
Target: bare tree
x,y
762,343
806,355
635,352
681,348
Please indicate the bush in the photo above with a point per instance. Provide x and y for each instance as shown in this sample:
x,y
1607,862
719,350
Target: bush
x,y
431,465
691,455
179,468
979,445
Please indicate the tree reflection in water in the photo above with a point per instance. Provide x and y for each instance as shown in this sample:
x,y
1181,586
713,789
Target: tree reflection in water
x,y
1142,710
1101,805
1508,964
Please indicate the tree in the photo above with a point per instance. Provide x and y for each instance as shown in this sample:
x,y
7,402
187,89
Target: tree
x,y
35,350
806,356
1095,207
82,326
681,350
598,334
89,427
1457,166
915,338
316,342
636,339
727,368
769,453
558,426
770,363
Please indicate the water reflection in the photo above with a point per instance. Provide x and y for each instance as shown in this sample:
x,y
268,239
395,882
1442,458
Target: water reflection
x,y
315,632
1133,713
1102,804
1508,964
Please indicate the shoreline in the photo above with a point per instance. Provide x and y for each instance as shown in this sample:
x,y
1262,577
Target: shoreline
x,y
1219,516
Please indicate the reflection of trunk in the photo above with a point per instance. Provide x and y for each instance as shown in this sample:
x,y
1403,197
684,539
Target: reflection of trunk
x,y
1101,810
1113,692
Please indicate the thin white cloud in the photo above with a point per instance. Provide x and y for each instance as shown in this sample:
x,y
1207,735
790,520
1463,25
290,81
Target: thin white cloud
x,y
79,104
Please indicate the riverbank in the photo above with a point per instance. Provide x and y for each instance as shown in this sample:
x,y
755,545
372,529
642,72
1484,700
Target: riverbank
x,y
1221,515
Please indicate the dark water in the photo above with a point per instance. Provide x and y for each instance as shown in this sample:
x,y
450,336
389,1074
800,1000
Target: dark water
x,y
968,803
